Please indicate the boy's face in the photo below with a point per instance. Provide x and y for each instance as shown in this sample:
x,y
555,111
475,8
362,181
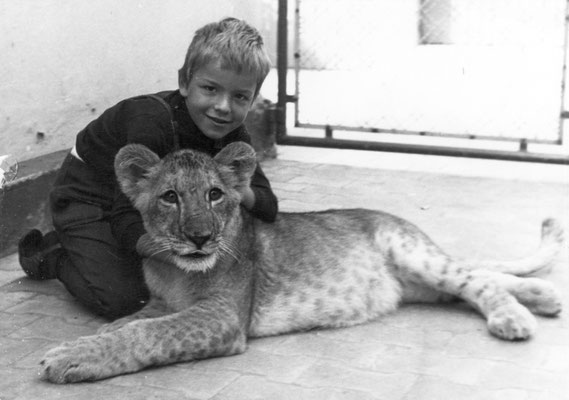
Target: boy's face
x,y
218,99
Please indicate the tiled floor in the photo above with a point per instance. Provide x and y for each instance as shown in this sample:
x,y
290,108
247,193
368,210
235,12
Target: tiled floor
x,y
421,352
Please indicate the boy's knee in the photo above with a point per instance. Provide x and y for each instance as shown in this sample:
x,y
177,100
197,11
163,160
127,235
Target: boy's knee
x,y
114,307
109,296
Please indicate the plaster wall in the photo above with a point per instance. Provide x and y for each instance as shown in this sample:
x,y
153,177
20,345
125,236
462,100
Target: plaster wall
x,y
65,61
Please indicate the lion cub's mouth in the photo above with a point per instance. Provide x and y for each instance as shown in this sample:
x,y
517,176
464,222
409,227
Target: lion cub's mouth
x,y
196,255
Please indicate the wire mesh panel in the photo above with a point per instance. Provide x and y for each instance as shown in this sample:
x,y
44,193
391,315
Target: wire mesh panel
x,y
473,68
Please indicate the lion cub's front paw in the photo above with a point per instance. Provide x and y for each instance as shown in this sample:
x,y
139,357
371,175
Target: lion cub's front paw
x,y
72,362
513,322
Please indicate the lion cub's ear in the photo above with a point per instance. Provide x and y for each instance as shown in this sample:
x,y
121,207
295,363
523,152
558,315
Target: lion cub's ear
x,y
132,164
238,162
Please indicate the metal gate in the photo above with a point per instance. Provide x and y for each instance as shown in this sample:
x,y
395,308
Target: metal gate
x,y
485,69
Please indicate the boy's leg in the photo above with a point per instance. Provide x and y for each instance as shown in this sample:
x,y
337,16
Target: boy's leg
x,y
102,277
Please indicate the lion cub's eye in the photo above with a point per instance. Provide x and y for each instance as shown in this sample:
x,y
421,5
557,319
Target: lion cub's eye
x,y
215,194
170,197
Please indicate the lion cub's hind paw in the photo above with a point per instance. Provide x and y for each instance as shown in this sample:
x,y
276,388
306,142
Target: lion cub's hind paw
x,y
540,296
514,322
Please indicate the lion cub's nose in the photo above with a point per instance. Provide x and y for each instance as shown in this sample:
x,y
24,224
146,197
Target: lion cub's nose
x,y
199,241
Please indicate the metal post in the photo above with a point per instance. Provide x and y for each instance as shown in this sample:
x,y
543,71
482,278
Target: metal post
x,y
564,114
282,67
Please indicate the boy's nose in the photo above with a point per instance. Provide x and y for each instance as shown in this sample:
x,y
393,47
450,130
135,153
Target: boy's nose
x,y
223,104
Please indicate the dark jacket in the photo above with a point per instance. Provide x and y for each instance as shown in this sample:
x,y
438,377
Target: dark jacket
x,y
145,121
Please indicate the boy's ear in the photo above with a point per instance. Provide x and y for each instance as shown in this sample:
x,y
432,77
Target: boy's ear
x,y
238,161
183,90
132,166
183,82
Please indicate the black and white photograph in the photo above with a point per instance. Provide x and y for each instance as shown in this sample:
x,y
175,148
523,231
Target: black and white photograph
x,y
284,199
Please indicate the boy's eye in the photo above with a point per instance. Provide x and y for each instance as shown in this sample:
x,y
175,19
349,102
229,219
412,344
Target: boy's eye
x,y
242,97
209,88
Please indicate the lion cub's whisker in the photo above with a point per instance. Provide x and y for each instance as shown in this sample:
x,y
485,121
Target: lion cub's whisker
x,y
230,249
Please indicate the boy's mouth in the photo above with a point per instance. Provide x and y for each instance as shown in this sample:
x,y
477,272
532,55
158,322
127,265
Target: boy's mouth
x,y
218,121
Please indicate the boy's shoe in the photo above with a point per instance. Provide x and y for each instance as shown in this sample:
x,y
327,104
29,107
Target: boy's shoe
x,y
38,254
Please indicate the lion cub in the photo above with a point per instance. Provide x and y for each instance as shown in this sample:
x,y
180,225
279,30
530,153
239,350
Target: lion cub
x,y
219,276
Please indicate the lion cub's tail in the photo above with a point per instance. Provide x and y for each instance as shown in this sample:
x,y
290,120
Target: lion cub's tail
x,y
552,239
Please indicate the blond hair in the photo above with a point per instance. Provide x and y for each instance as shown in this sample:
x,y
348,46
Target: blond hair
x,y
236,44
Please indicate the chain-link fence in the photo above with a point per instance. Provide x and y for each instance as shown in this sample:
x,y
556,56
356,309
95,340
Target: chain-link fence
x,y
484,68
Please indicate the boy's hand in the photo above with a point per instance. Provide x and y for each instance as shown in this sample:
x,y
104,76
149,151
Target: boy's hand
x,y
247,197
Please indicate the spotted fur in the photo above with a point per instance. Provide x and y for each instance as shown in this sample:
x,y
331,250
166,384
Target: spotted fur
x,y
219,276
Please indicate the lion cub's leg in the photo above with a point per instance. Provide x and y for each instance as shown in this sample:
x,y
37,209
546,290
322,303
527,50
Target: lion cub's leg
x,y
417,262
202,331
506,317
538,295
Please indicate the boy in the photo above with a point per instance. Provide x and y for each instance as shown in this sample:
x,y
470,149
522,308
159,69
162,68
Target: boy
x,y
93,248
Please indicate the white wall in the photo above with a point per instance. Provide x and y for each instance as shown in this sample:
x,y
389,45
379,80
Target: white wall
x,y
65,61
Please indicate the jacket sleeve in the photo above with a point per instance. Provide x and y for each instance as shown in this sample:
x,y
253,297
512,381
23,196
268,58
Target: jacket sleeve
x,y
126,222
266,203
149,130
